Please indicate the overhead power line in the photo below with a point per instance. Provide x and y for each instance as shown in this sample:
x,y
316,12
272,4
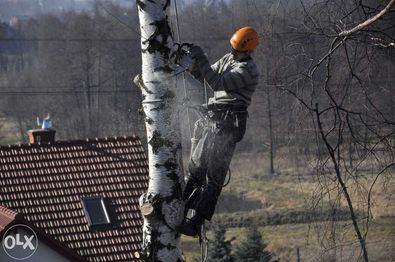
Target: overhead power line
x,y
65,91
55,39
23,39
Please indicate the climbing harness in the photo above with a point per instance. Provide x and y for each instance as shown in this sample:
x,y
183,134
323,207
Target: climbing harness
x,y
204,113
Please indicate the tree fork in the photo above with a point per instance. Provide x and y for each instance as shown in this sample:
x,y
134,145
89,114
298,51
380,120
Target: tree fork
x,y
161,206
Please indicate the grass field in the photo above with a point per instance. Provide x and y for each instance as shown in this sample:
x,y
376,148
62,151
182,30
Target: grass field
x,y
283,241
253,194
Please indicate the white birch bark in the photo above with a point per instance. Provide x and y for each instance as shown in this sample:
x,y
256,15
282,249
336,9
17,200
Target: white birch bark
x,y
161,206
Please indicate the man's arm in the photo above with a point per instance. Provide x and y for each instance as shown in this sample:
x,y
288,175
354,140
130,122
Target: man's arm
x,y
194,70
242,76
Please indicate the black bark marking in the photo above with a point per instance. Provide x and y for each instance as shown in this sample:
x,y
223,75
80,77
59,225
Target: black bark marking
x,y
154,82
166,4
150,250
159,39
176,189
160,107
166,69
140,4
149,120
173,175
157,141
178,147
169,165
167,94
170,247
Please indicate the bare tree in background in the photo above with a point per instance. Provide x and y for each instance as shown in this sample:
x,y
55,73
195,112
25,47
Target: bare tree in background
x,y
342,100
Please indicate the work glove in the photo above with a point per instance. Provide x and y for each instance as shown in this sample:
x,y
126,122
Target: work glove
x,y
196,52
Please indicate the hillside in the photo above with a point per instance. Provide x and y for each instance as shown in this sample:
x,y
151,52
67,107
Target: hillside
x,y
281,206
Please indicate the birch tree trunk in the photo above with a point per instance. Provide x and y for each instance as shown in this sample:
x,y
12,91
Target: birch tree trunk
x,y
161,206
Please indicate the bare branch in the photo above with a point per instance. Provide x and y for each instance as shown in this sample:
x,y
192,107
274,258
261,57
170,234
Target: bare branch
x,y
369,21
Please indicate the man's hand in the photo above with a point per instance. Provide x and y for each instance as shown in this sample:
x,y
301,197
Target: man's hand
x,y
196,52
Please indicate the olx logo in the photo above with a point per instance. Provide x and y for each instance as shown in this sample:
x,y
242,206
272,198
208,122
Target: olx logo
x,y
20,242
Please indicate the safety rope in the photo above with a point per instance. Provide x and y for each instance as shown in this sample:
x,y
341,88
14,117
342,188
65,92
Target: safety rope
x,y
202,237
203,241
183,75
205,92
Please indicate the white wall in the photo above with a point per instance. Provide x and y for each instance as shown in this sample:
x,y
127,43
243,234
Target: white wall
x,y
43,254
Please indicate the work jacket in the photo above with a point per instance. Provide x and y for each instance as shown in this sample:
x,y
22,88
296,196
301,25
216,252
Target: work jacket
x,y
233,82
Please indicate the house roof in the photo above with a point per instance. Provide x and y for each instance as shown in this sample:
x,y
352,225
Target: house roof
x,y
9,218
46,183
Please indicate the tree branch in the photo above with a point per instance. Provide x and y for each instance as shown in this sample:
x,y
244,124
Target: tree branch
x,y
369,21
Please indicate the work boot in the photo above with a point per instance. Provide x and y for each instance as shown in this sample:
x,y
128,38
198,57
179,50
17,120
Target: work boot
x,y
191,227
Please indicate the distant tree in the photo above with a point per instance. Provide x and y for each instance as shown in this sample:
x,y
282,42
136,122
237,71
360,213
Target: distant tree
x,y
219,249
1,133
252,249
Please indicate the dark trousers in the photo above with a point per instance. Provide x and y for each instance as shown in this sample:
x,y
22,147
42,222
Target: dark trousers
x,y
213,144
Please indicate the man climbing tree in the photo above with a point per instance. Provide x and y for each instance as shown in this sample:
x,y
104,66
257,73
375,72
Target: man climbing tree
x,y
233,79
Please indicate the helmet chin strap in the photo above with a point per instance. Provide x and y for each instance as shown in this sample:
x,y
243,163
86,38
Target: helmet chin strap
x,y
237,55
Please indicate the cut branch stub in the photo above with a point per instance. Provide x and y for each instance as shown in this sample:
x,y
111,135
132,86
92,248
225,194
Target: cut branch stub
x,y
138,81
147,210
150,205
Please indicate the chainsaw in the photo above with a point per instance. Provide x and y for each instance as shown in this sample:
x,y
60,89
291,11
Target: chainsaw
x,y
181,58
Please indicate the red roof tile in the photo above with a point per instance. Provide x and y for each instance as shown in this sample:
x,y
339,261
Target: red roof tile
x,y
45,183
9,218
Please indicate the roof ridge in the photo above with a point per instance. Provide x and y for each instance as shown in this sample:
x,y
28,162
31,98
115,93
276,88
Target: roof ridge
x,y
9,213
72,142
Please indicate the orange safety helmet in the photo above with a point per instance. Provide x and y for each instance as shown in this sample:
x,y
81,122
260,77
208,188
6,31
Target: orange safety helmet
x,y
245,39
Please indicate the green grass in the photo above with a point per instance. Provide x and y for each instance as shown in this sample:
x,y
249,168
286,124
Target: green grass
x,y
293,193
283,240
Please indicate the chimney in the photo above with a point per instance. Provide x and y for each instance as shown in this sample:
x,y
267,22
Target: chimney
x,y
44,135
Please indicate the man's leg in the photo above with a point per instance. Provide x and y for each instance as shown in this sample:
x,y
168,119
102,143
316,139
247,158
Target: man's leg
x,y
219,157
218,166
197,166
